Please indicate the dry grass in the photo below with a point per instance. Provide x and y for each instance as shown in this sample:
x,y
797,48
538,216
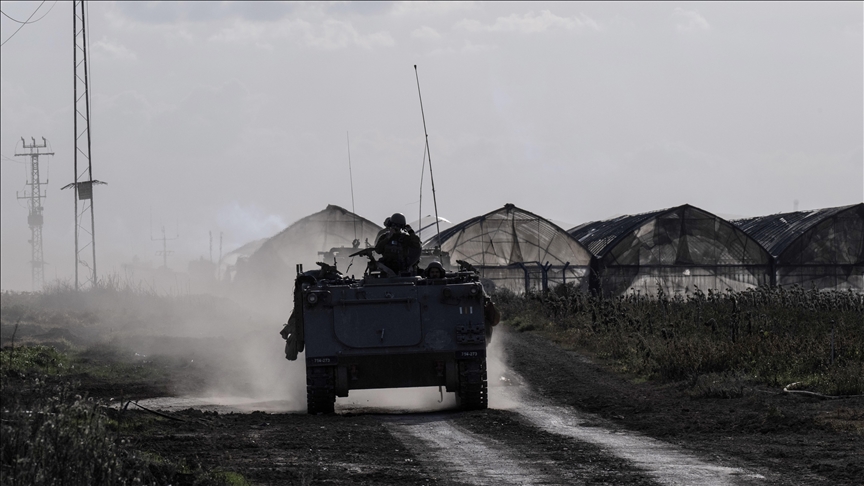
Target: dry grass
x,y
51,433
845,419
773,336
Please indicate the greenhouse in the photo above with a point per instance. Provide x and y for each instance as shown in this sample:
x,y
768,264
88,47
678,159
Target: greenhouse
x,y
515,249
228,263
305,242
676,250
823,248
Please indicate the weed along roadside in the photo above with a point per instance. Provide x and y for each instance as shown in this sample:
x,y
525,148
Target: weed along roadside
x,y
676,369
717,342
54,433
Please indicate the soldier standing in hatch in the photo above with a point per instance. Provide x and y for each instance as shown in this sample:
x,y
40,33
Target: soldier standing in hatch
x,y
397,244
435,270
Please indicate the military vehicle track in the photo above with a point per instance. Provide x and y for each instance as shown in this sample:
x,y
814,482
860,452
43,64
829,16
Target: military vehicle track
x,y
473,393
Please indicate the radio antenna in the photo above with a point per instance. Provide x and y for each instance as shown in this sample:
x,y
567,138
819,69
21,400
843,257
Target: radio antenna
x,y
422,174
429,156
351,176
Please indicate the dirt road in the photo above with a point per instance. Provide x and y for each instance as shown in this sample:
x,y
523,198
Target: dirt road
x,y
554,418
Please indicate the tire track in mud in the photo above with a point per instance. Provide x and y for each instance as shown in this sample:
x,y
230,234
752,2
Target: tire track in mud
x,y
665,463
465,457
515,447
547,444
526,440
532,442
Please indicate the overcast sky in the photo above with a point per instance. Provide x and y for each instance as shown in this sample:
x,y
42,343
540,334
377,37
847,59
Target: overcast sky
x,y
232,117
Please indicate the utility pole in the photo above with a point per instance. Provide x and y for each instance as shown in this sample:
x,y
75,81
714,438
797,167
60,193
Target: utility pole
x,y
34,217
165,251
219,266
85,222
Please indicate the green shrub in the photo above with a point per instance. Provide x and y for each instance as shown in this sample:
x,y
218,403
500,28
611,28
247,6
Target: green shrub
x,y
42,359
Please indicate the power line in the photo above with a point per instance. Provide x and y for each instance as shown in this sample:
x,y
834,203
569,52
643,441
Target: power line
x,y
9,159
30,22
24,23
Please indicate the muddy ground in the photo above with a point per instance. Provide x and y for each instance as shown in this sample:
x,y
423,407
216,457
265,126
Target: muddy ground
x,y
758,436
763,436
798,440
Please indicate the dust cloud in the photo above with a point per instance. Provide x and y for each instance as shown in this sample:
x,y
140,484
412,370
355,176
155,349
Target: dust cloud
x,y
251,372
247,371
501,377
223,345
430,399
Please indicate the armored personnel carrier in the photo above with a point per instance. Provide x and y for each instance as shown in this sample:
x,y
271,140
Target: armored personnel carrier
x,y
390,331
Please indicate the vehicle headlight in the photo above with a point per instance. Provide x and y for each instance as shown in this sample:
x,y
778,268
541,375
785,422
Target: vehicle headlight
x,y
312,298
474,290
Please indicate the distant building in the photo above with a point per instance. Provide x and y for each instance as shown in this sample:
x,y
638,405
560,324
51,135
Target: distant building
x,y
271,269
516,249
822,248
234,258
674,249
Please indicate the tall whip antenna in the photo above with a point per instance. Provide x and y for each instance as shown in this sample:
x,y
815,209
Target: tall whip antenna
x,y
351,176
429,156
422,174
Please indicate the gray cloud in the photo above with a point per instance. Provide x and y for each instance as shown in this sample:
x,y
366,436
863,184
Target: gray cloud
x,y
531,23
689,20
167,13
231,117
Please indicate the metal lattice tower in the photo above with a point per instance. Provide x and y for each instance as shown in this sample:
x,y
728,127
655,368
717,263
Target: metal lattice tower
x,y
34,217
85,232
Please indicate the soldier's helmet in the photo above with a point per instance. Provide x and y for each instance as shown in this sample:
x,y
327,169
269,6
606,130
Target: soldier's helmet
x,y
387,223
398,220
437,266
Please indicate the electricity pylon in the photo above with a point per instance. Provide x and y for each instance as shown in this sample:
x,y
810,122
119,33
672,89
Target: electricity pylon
x,y
85,222
34,217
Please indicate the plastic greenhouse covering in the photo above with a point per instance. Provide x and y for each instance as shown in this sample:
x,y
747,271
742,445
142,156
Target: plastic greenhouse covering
x,y
823,248
676,250
304,242
515,249
228,263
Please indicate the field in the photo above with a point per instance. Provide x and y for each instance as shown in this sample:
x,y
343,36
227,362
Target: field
x,y
705,373
718,341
